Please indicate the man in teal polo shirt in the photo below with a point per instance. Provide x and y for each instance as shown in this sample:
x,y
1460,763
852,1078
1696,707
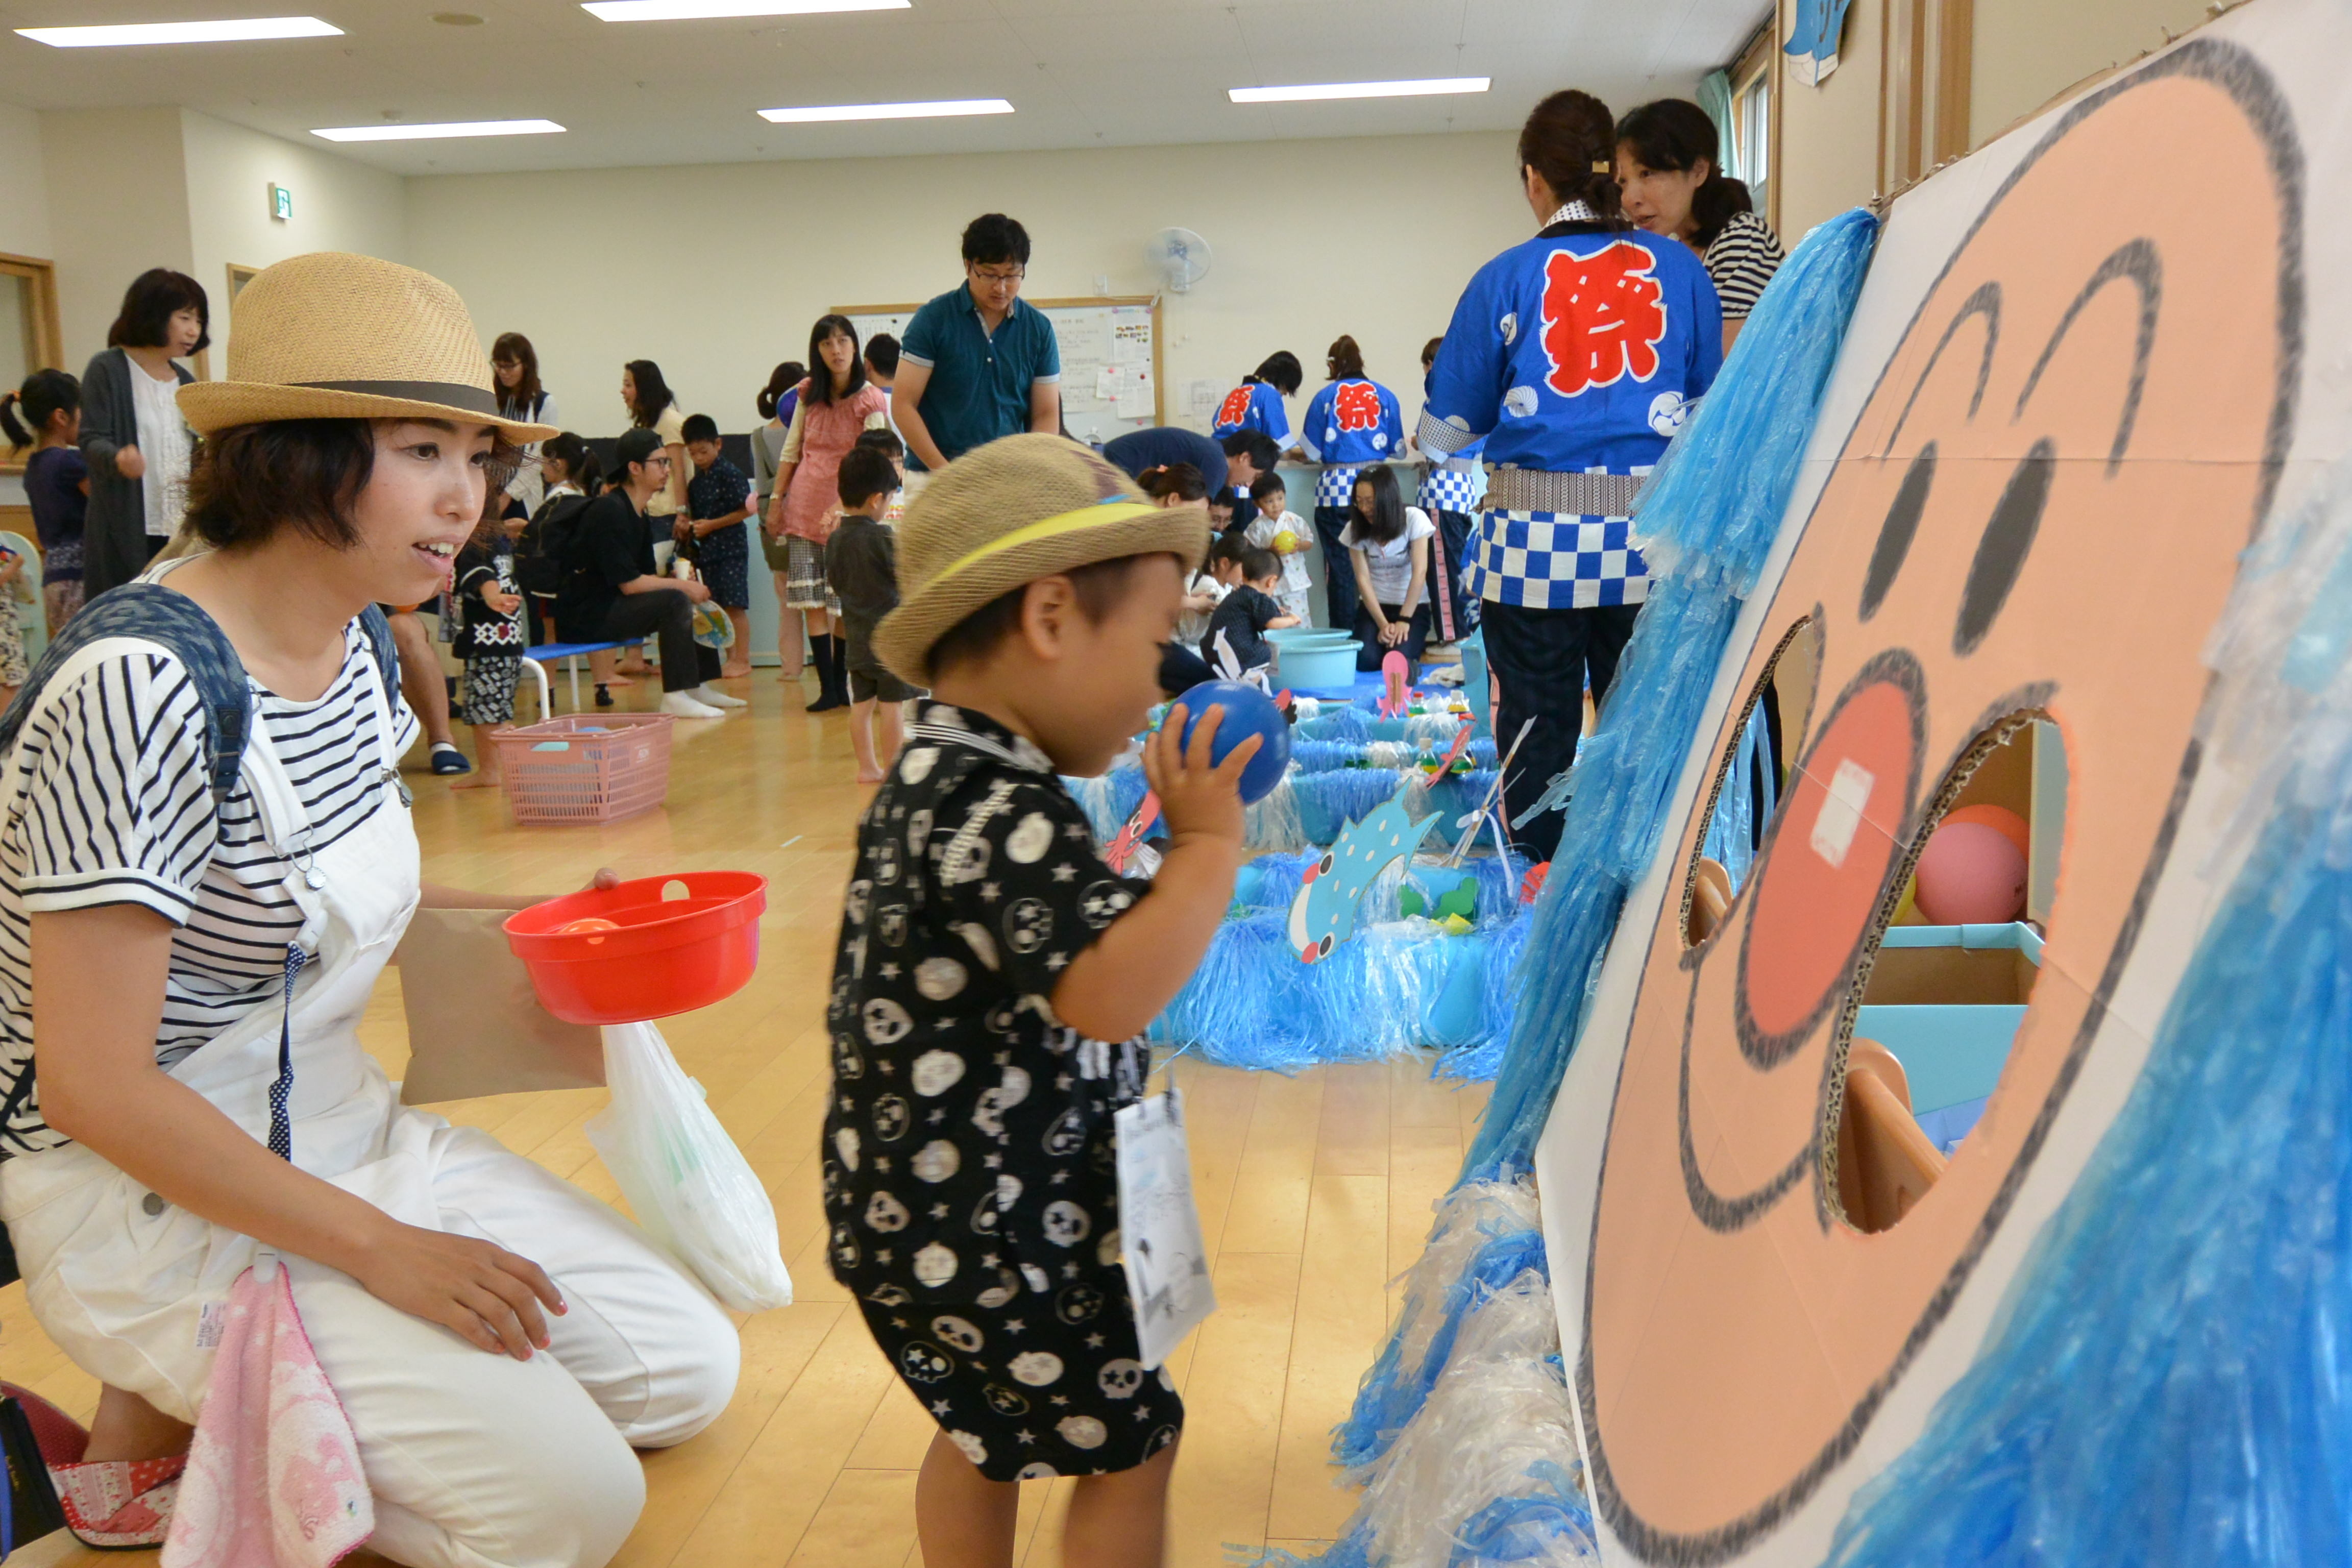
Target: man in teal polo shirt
x,y
979,362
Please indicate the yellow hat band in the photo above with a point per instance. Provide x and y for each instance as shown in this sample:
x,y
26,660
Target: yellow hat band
x,y
1100,515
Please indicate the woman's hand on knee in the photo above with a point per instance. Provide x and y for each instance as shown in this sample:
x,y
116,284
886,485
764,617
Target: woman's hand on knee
x,y
484,1293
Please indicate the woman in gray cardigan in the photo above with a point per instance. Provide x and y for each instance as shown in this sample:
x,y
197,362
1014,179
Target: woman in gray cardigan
x,y
138,450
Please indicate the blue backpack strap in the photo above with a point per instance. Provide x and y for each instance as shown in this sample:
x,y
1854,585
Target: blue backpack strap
x,y
378,627
161,615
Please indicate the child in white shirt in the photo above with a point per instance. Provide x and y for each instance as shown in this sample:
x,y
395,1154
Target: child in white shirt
x,y
1207,588
1274,519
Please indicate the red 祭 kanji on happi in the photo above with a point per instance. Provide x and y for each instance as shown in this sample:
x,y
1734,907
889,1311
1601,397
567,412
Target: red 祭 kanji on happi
x,y
1603,316
1235,407
1357,405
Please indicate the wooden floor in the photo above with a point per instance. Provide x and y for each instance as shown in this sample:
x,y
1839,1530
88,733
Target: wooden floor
x,y
1315,1193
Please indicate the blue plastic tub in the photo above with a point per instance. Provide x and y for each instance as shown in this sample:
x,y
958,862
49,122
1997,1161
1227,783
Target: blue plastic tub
x,y
1317,665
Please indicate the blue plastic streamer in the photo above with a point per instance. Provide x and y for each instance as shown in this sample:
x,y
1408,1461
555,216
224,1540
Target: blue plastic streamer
x,y
1390,1396
1731,833
2167,1381
1711,513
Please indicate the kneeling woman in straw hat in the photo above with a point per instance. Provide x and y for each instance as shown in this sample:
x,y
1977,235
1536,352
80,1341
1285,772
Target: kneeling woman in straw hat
x,y
185,960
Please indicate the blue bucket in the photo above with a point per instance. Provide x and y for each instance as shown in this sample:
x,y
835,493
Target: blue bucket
x,y
1326,663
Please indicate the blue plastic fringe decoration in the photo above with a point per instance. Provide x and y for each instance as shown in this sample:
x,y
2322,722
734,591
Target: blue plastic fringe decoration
x,y
1710,515
1108,799
1731,832
1398,985
2167,1381
1507,1245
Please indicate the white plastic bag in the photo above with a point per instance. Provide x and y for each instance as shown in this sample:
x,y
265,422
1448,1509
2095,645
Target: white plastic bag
x,y
690,1186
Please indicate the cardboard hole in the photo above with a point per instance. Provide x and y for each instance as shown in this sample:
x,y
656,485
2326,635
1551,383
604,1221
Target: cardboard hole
x,y
1757,762
1924,1046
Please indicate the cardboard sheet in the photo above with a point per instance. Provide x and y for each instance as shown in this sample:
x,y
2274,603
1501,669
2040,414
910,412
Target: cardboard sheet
x,y
474,1026
2067,403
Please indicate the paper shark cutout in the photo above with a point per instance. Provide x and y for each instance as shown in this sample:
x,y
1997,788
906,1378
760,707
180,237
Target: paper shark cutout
x,y
1324,913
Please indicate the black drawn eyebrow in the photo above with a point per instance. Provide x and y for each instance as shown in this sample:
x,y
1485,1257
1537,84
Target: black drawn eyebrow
x,y
1985,302
2138,261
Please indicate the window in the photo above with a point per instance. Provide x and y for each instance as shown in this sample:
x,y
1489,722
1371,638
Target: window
x,y
29,336
1748,154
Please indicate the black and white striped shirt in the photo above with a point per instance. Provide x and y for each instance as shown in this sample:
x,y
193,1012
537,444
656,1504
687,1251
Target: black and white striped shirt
x,y
1741,261
116,809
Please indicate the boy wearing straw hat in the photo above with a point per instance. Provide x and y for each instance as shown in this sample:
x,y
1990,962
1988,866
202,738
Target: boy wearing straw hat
x,y
993,981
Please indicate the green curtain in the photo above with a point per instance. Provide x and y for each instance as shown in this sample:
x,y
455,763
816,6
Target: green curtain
x,y
1715,97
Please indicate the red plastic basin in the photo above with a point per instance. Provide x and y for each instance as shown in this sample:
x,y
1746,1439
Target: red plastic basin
x,y
676,943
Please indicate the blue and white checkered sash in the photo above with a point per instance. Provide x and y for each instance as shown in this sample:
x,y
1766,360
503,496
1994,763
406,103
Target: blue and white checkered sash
x,y
1336,486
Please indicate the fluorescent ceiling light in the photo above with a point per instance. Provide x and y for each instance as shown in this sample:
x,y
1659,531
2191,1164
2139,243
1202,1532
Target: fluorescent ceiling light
x,y
689,10
886,110
427,132
243,29
1317,91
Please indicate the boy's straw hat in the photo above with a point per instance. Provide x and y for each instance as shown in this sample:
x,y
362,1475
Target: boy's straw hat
x,y
1006,514
335,336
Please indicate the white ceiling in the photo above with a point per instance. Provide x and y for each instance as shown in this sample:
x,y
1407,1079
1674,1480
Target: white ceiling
x,y
1080,73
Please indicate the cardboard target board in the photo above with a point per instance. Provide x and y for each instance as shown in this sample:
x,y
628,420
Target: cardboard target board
x,y
2073,391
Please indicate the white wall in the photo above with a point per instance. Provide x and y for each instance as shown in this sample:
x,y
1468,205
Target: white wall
x,y
717,271
338,206
2029,51
118,206
23,185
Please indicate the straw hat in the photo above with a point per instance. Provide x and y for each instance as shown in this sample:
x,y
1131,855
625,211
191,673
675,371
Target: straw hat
x,y
1006,514
334,336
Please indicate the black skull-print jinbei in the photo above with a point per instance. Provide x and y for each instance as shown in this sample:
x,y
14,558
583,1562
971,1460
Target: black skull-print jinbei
x,y
970,1179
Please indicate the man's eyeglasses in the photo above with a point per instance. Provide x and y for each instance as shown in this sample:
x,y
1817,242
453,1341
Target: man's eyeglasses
x,y
1000,278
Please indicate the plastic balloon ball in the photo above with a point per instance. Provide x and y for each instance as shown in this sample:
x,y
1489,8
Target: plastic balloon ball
x,y
1247,711
1970,874
1285,542
1999,818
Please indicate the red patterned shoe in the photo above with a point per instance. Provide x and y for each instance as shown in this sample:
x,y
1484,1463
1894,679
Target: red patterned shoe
x,y
61,1438
119,1505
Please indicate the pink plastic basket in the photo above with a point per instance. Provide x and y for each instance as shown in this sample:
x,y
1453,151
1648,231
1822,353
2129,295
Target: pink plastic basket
x,y
586,769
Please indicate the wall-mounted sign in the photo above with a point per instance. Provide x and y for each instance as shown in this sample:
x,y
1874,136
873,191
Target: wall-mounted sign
x,y
281,204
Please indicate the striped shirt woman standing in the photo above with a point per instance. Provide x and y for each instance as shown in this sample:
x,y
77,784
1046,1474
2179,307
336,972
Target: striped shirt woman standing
x,y
1674,185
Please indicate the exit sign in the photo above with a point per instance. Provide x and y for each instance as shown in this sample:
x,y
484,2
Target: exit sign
x,y
281,204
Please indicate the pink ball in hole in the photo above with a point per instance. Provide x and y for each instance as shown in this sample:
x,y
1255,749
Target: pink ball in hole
x,y
1971,874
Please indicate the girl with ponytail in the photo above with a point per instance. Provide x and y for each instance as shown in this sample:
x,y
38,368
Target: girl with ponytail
x,y
1574,356
45,414
1674,185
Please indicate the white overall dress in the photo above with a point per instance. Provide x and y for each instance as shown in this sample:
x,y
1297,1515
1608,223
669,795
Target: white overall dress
x,y
475,1460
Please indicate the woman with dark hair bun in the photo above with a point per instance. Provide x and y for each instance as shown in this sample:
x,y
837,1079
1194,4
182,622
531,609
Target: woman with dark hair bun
x,y
1674,185
1256,403
138,448
1351,421
1574,356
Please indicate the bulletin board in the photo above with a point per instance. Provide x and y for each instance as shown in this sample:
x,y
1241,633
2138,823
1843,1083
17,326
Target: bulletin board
x,y
1110,358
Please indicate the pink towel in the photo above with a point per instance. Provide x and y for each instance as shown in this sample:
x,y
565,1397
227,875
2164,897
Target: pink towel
x,y
274,1478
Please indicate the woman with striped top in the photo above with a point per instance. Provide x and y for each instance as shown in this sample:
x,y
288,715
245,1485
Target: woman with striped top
x,y
1674,185
189,936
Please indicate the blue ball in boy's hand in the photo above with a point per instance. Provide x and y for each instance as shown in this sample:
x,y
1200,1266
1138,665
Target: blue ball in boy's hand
x,y
1247,711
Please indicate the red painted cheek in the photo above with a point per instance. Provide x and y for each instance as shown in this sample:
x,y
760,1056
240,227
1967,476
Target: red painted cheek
x,y
1830,858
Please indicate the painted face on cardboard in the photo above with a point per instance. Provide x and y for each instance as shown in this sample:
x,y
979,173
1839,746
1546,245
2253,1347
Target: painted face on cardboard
x,y
2036,514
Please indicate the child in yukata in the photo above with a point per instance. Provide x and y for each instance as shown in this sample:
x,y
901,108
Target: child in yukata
x,y
1273,526
992,984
